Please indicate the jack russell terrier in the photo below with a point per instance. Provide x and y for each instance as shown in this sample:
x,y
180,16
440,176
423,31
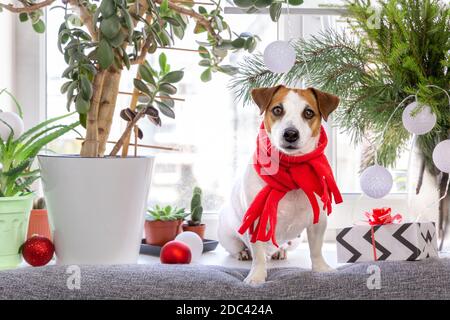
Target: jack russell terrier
x,y
277,197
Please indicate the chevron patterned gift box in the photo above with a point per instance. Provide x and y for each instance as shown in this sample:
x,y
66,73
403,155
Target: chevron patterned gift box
x,y
402,241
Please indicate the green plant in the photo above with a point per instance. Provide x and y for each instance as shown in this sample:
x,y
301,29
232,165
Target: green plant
x,y
158,88
400,48
167,213
16,156
99,39
196,207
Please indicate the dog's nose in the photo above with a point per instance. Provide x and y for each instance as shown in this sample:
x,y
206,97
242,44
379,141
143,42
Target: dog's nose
x,y
291,135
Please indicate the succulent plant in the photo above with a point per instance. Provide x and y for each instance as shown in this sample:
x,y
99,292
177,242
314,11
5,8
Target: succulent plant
x,y
167,213
196,207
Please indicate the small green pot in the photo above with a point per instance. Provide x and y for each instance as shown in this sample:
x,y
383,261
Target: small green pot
x,y
14,215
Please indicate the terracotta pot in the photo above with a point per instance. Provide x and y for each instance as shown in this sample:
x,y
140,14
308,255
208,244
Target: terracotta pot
x,y
160,232
200,229
38,224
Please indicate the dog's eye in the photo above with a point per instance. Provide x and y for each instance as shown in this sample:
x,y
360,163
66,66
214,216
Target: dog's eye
x,y
277,111
308,114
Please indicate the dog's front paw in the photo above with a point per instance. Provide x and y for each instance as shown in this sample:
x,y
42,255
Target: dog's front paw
x,y
256,277
321,266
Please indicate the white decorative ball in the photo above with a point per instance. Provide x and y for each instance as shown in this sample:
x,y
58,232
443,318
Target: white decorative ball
x,y
279,56
420,123
193,241
14,122
376,181
441,156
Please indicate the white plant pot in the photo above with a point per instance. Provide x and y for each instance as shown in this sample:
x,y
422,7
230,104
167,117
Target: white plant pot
x,y
96,207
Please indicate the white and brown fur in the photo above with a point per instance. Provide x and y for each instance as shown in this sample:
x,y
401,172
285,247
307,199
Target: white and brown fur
x,y
302,112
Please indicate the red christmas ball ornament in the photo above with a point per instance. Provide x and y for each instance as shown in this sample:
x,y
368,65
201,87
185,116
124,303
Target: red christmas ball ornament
x,y
38,251
175,252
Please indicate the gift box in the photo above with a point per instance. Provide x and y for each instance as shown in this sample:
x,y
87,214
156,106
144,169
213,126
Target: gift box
x,y
381,240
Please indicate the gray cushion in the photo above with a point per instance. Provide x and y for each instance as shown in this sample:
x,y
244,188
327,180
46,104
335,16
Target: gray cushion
x,y
428,279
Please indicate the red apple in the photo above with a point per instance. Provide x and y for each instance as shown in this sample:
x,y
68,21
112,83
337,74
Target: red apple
x,y
175,252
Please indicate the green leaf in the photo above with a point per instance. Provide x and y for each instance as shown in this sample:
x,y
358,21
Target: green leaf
x,y
243,3
118,40
164,7
141,86
228,69
205,63
202,10
238,43
82,106
83,119
129,22
250,44
107,8
167,88
165,110
206,75
295,2
203,52
65,87
262,3
199,28
32,150
110,27
23,17
146,74
174,22
167,100
173,77
15,171
86,88
162,61
105,54
275,11
39,26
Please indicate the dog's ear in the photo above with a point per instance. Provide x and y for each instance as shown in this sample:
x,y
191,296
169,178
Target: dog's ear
x,y
263,96
326,102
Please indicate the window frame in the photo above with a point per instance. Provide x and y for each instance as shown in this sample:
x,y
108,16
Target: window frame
x,y
31,82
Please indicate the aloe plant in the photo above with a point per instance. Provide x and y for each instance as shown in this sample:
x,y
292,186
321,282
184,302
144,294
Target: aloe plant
x,y
167,213
17,155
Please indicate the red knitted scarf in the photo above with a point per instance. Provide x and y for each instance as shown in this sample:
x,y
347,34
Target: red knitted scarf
x,y
282,173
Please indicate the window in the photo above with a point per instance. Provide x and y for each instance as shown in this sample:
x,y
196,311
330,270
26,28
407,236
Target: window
x,y
215,134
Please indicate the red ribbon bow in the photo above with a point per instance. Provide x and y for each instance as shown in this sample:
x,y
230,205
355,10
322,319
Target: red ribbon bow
x,y
381,216
378,217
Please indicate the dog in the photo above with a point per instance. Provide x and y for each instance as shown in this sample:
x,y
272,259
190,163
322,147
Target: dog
x,y
292,120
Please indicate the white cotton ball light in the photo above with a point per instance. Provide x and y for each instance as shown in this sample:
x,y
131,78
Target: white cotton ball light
x,y
420,123
376,181
279,56
10,121
193,241
441,156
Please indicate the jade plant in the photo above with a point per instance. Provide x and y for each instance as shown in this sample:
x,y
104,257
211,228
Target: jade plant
x,y
100,39
18,152
167,213
196,207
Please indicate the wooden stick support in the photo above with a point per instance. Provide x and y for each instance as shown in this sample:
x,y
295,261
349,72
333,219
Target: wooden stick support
x,y
148,146
160,97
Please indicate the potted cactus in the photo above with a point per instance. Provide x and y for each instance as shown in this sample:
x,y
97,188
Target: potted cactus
x,y
195,224
38,224
163,224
